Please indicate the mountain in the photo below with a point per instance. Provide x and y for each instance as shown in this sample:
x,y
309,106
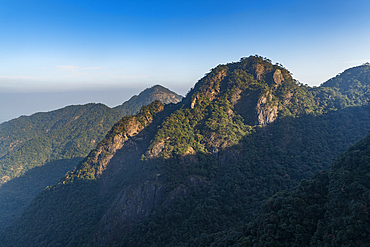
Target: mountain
x,y
37,150
157,92
52,135
195,173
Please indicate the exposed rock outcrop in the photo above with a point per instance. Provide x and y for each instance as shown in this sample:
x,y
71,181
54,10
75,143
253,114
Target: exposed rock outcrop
x,y
156,149
128,127
210,86
133,203
278,77
183,189
260,69
105,153
266,113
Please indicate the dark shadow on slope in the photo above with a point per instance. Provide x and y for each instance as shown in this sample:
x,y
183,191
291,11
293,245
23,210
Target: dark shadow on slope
x,y
232,184
68,212
17,194
211,193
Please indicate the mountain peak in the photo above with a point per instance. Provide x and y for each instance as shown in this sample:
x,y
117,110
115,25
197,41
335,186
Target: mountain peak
x,y
251,83
157,92
256,67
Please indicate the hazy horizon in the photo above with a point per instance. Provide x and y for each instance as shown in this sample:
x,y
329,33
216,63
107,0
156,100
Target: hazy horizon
x,y
28,103
83,51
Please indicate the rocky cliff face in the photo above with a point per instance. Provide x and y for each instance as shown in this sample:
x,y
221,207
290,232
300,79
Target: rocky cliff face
x,y
254,89
266,113
209,87
125,130
266,109
133,203
256,105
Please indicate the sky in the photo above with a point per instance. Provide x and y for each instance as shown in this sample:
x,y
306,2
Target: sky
x,y
55,53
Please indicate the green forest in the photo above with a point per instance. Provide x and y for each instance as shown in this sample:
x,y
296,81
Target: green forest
x,y
330,209
250,157
37,151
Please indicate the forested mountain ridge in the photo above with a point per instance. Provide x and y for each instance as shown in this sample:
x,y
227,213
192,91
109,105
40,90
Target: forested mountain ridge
x,y
127,128
354,83
186,174
37,150
49,136
59,126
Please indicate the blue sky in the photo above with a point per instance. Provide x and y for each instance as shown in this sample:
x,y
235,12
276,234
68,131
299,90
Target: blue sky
x,y
76,49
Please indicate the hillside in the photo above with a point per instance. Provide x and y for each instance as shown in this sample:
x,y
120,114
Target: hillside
x,y
50,135
37,150
185,174
354,83
331,208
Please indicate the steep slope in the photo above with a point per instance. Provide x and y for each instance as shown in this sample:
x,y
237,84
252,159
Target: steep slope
x,y
82,185
52,135
180,175
157,92
329,209
36,151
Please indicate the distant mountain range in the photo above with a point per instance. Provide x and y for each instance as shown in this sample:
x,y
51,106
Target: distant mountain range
x,y
36,151
196,173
